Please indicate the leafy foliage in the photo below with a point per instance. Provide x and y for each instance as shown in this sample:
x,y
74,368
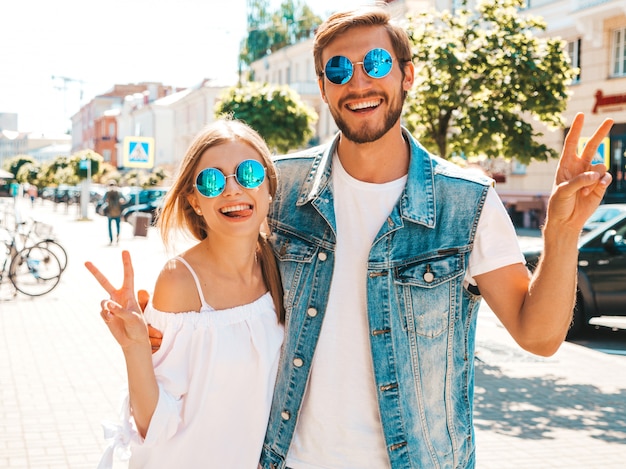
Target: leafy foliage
x,y
28,173
56,172
69,170
481,77
276,112
14,164
269,32
94,159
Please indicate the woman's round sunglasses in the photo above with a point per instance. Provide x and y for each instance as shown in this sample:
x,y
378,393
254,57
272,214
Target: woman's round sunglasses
x,y
377,63
211,182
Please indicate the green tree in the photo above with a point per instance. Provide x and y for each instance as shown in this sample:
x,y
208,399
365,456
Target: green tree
x,y
481,78
276,112
271,31
156,177
107,172
77,164
28,172
14,164
57,171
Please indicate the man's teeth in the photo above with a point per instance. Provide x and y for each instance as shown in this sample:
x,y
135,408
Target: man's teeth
x,y
235,208
363,105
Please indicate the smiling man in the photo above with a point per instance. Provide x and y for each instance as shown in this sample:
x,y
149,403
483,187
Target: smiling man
x,y
385,253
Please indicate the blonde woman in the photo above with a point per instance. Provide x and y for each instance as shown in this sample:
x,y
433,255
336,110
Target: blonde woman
x,y
203,399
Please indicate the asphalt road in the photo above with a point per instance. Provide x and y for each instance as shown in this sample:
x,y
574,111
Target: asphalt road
x,y
609,336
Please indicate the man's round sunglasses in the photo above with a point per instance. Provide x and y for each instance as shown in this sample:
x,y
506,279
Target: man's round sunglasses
x,y
377,63
211,182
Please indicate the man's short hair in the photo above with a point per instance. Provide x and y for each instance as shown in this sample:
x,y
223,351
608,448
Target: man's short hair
x,y
341,22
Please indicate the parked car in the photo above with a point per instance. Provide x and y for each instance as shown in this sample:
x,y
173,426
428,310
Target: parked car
x,y
47,193
66,194
603,214
151,207
143,200
601,273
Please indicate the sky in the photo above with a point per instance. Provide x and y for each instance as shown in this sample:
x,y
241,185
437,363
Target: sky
x,y
53,52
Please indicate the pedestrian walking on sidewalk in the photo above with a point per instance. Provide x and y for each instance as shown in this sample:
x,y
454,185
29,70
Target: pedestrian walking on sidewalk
x,y
204,398
113,209
32,194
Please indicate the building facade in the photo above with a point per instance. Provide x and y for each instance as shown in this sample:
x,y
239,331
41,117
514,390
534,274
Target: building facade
x,y
95,126
595,32
172,121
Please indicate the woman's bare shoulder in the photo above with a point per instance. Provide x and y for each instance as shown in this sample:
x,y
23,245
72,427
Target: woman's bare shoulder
x,y
175,289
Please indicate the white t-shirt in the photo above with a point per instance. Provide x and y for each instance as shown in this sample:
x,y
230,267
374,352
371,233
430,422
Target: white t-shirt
x,y
339,426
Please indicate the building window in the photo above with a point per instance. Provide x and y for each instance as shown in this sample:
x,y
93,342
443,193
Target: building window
x,y
106,155
573,50
619,52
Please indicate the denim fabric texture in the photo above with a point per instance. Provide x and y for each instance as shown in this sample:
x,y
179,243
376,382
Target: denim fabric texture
x,y
422,320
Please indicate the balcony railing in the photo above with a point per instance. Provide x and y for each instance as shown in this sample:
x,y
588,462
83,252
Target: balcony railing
x,y
613,6
305,87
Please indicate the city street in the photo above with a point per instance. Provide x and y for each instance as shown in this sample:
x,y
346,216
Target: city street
x,y
62,374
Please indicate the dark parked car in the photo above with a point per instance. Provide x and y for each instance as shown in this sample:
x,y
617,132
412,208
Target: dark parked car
x,y
603,214
138,200
66,194
601,273
151,207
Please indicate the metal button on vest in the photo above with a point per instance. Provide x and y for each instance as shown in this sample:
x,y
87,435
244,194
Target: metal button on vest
x,y
285,415
322,256
429,277
298,362
312,312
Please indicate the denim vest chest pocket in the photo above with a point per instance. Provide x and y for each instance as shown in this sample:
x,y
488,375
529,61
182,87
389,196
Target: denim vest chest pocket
x,y
293,255
427,291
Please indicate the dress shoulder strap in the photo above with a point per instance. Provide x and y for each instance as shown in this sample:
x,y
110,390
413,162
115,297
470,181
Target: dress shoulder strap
x,y
195,279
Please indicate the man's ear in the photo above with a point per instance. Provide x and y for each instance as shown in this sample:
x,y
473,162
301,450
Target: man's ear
x,y
409,76
322,87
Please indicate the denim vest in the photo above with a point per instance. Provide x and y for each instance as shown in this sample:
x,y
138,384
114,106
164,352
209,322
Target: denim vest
x,y
422,320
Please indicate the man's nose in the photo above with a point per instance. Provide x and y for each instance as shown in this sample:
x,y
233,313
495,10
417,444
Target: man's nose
x,y
359,77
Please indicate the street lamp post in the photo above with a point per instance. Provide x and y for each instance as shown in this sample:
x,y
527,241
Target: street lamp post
x,y
85,194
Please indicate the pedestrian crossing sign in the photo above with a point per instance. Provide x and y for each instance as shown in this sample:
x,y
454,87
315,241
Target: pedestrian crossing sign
x,y
138,152
602,154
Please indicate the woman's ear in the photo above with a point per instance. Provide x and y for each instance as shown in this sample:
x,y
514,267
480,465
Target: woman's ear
x,y
193,201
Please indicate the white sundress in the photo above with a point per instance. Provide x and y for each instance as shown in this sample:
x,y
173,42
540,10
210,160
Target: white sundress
x,y
216,372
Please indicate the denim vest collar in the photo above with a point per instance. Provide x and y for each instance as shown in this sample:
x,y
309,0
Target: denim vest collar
x,y
418,201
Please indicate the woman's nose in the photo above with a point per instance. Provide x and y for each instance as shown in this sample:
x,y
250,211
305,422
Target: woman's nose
x,y
232,186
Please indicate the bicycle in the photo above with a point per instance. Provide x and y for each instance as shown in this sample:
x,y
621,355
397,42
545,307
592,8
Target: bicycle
x,y
40,234
33,270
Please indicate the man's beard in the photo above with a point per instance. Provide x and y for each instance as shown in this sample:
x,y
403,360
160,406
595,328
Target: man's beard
x,y
367,134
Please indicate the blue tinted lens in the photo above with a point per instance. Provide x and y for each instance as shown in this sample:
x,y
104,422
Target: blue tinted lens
x,y
377,63
250,174
210,182
339,70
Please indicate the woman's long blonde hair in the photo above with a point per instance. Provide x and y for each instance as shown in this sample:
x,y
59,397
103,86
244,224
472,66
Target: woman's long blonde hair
x,y
176,213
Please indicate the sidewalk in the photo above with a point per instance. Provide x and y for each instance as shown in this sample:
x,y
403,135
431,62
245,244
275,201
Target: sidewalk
x,y
565,411
62,373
